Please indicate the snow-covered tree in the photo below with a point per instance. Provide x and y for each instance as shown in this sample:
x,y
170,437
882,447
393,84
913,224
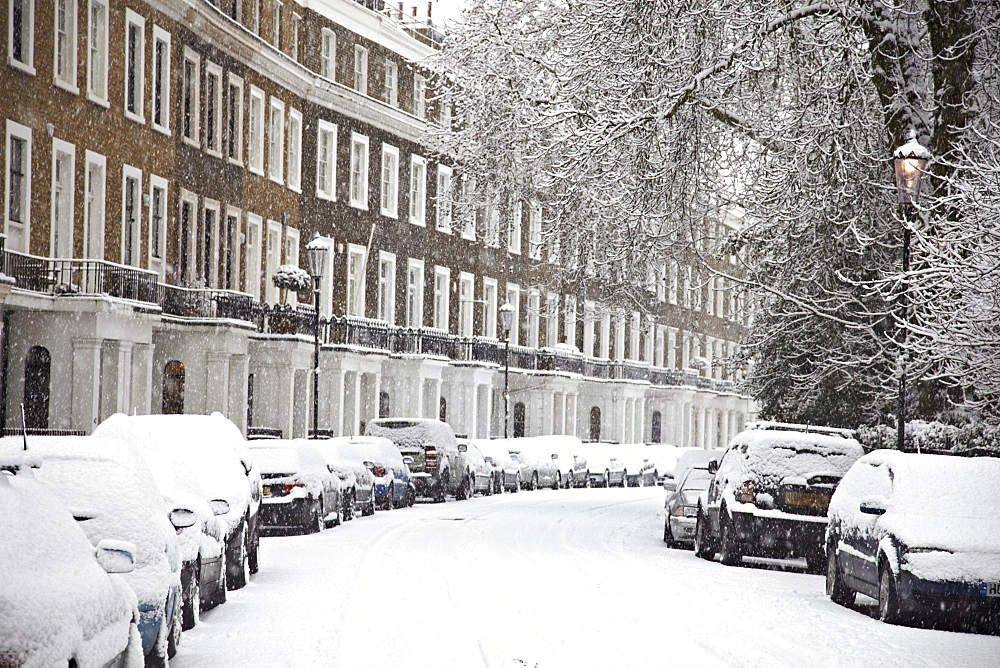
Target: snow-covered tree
x,y
640,124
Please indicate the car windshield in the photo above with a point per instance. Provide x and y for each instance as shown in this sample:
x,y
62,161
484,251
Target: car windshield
x,y
277,460
697,481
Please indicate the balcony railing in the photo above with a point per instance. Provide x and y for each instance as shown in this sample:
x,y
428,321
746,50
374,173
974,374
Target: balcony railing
x,y
67,277
208,303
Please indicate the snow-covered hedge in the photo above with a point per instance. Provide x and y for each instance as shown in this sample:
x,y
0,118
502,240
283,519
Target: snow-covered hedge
x,y
935,436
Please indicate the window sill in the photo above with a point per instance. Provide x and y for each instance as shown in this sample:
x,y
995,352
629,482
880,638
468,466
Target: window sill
x,y
18,65
259,171
135,117
235,161
280,180
329,197
190,141
214,153
163,130
99,101
66,86
417,222
389,214
359,205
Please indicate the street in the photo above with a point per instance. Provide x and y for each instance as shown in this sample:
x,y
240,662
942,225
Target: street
x,y
545,578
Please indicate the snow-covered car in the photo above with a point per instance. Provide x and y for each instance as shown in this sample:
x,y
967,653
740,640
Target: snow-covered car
x,y
664,457
58,604
689,458
110,491
216,451
606,469
479,472
393,479
203,573
299,492
681,506
770,493
638,467
506,471
918,533
538,466
435,460
571,465
357,482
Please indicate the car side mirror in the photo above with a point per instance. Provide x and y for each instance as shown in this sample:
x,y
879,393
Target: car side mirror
x,y
462,447
874,505
670,485
182,518
555,455
219,506
713,466
116,556
407,460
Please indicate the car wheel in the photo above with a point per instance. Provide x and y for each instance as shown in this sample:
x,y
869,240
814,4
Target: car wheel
x,y
442,493
317,522
175,629
464,490
489,488
223,589
586,483
889,610
253,552
557,482
838,592
239,553
668,535
624,479
390,495
729,551
534,482
517,484
607,479
702,548
191,608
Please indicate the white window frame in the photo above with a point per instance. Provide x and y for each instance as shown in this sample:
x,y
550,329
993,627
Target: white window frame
x,y
235,10
254,245
255,17
466,304
212,206
276,24
161,82
386,287
534,308
94,212
328,54
514,230
296,26
273,247
189,199
589,318
419,96
326,188
128,171
132,18
158,264
551,319
97,53
355,281
327,280
27,38
68,201
471,214
390,87
418,190
67,78
442,297
360,78
490,296
491,237
276,141
191,98
213,126
389,190
255,140
569,319
234,120
290,248
414,294
534,231
230,248
514,299
358,194
444,205
294,150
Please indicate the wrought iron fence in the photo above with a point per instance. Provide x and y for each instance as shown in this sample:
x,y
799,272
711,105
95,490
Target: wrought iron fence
x,y
68,277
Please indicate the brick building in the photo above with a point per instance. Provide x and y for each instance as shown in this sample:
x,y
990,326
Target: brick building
x,y
163,158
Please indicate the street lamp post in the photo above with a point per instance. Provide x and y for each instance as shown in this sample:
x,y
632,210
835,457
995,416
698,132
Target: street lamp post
x,y
910,163
506,320
316,250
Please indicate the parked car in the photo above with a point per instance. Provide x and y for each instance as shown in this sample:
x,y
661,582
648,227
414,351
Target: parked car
x,y
59,604
393,479
202,545
357,482
436,461
681,506
606,469
638,467
918,533
216,451
298,489
506,471
771,491
572,465
537,462
111,493
689,458
664,457
479,473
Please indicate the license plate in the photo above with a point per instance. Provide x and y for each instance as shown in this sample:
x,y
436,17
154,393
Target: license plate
x,y
807,499
989,589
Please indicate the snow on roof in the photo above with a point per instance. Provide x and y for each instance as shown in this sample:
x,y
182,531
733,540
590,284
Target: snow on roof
x,y
53,594
774,455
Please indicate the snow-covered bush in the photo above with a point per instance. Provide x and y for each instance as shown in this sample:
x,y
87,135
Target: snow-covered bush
x,y
290,277
933,436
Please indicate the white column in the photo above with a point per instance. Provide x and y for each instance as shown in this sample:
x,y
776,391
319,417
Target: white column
x,y
217,382
671,347
238,370
352,403
86,383
142,378
332,397
116,376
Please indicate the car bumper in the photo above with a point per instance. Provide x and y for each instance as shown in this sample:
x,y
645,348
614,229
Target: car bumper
x,y
769,536
279,514
945,595
424,483
683,528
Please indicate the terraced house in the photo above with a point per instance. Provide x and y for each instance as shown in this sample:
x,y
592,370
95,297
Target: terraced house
x,y
163,158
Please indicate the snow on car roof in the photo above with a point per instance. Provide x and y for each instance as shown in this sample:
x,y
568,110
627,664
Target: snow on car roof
x,y
412,431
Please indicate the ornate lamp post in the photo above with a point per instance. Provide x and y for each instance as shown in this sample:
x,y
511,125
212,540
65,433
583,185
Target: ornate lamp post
x,y
316,250
506,320
910,163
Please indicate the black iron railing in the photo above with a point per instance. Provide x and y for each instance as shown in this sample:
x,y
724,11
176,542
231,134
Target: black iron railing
x,y
69,277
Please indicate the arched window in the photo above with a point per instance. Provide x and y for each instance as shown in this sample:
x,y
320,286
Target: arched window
x,y
656,427
443,409
173,388
519,415
383,404
595,423
37,374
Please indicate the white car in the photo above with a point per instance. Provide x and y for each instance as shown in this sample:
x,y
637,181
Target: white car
x,y
538,466
606,469
571,464
506,471
479,472
59,605
356,480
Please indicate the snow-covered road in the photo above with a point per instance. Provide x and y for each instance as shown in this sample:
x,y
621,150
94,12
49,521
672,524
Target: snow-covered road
x,y
546,578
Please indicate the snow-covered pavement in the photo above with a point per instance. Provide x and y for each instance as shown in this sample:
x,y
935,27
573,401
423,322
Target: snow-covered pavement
x,y
546,578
